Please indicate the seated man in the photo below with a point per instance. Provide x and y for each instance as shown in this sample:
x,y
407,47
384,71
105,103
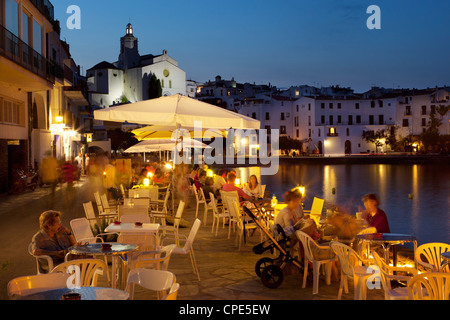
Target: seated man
x,y
52,240
230,186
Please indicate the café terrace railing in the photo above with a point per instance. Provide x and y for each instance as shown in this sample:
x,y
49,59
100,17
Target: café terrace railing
x,y
14,49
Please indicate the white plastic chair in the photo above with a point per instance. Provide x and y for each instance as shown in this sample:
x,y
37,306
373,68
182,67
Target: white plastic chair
x,y
82,231
232,219
316,210
188,245
429,286
90,269
173,293
160,209
160,259
176,222
207,205
217,215
199,199
363,247
28,285
429,256
308,244
352,266
90,214
48,259
98,202
158,281
242,226
386,273
106,207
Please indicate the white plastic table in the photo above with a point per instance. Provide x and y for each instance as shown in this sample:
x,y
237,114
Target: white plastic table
x,y
87,293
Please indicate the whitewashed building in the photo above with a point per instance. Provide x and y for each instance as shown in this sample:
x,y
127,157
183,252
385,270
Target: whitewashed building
x,y
127,80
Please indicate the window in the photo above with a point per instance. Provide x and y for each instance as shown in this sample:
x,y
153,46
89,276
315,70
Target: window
x,y
298,133
424,110
408,110
267,116
381,119
282,116
405,123
424,122
282,129
356,105
297,108
162,83
372,104
322,119
339,105
371,120
309,106
358,119
331,120
269,130
10,112
350,120
332,132
309,133
322,105
254,115
331,105
433,109
37,37
380,103
11,16
170,84
309,120
339,120
25,28
319,133
348,132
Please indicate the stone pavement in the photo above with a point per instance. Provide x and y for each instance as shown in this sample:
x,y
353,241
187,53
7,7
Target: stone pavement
x,y
226,273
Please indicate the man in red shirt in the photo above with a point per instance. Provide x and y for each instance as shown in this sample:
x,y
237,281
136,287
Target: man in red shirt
x,y
375,216
230,186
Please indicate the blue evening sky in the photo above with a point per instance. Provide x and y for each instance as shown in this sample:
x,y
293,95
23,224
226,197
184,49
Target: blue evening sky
x,y
284,42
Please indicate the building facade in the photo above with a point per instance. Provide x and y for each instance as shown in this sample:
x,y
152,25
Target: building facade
x,y
41,92
127,80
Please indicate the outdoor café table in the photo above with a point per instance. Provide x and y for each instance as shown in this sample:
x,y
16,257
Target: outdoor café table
x,y
118,250
87,293
445,260
387,240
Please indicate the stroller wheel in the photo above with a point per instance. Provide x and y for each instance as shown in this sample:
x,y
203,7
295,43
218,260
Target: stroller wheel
x,y
272,276
261,264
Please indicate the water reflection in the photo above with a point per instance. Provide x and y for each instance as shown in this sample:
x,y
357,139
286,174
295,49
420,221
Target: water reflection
x,y
426,215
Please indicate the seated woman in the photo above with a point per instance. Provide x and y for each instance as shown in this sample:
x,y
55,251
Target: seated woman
x,y
374,216
253,187
290,215
52,240
158,178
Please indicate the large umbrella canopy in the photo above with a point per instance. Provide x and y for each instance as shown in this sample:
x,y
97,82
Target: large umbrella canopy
x,y
177,111
166,132
164,145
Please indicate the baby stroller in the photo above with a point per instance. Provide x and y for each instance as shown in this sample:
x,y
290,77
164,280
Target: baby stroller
x,y
271,271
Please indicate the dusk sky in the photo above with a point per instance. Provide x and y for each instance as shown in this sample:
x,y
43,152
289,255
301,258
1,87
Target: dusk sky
x,y
287,42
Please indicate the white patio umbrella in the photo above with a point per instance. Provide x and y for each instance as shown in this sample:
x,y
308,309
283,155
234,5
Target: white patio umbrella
x,y
163,145
177,111
166,132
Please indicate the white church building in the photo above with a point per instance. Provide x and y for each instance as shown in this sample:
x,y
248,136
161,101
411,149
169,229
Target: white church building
x,y
127,80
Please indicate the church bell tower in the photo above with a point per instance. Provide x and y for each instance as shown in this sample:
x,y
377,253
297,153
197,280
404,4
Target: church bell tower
x,y
129,54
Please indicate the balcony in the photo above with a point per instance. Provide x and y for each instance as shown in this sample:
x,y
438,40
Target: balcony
x,y
14,49
46,8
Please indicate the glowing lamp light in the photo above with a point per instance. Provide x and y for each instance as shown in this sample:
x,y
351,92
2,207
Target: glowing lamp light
x,y
149,175
168,166
59,119
237,182
146,182
302,189
210,173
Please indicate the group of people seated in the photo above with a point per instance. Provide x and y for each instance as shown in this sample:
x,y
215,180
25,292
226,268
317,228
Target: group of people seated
x,y
154,173
224,181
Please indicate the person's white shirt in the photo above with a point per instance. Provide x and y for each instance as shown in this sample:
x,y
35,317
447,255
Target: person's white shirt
x,y
219,181
256,192
285,217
